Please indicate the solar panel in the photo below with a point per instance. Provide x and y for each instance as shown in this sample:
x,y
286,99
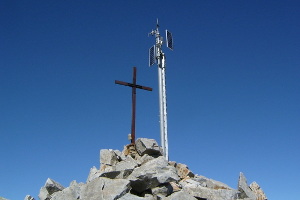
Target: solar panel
x,y
152,58
169,39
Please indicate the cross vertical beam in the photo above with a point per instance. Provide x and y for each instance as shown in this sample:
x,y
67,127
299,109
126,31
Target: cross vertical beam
x,y
133,85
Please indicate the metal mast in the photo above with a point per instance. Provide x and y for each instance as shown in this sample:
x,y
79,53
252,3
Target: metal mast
x,y
156,55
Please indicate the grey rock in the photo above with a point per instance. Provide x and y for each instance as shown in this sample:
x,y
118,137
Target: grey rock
x,y
2,198
244,189
162,190
180,196
70,193
104,189
117,174
49,188
28,197
108,157
210,183
44,194
199,191
122,169
106,168
94,173
128,163
121,155
129,196
153,173
143,159
147,146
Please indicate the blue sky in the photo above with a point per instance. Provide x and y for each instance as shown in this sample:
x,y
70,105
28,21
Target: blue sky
x,y
233,84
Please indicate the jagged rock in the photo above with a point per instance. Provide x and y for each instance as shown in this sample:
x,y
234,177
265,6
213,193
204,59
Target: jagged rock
x,y
195,189
106,168
70,193
28,197
152,174
162,190
108,157
129,196
117,174
210,194
244,189
104,189
258,191
210,183
180,196
94,173
143,159
175,187
183,171
121,155
122,169
50,187
140,172
128,163
147,146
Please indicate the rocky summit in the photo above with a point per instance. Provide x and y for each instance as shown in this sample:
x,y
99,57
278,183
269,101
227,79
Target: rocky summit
x,y
141,172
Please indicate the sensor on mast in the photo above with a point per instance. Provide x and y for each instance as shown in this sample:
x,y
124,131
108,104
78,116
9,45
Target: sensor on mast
x,y
157,56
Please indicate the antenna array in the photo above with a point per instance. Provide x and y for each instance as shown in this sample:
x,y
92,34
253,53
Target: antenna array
x,y
156,56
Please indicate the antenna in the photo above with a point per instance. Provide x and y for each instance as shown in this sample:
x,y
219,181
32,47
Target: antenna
x,y
156,55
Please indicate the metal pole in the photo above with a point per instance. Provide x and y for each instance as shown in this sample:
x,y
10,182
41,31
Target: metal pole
x,y
133,107
160,57
164,99
161,108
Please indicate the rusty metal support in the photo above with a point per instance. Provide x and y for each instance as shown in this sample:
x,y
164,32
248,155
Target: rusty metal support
x,y
133,85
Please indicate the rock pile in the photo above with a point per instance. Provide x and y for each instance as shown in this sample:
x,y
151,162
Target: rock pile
x,y
141,172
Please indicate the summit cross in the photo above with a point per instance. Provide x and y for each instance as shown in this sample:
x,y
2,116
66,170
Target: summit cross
x,y
133,85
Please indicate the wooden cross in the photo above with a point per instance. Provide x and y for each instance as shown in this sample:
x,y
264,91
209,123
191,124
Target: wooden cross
x,y
134,86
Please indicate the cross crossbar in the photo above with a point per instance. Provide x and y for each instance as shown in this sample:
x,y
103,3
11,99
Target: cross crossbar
x,y
133,85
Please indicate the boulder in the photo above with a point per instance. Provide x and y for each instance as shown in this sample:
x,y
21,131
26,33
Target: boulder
x,y
94,173
210,183
121,169
130,196
28,197
123,174
180,196
183,171
49,188
104,189
147,146
244,189
210,194
70,193
153,173
108,157
143,159
258,191
128,163
162,191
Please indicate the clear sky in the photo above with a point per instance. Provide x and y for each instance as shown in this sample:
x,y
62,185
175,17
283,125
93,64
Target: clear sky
x,y
233,84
